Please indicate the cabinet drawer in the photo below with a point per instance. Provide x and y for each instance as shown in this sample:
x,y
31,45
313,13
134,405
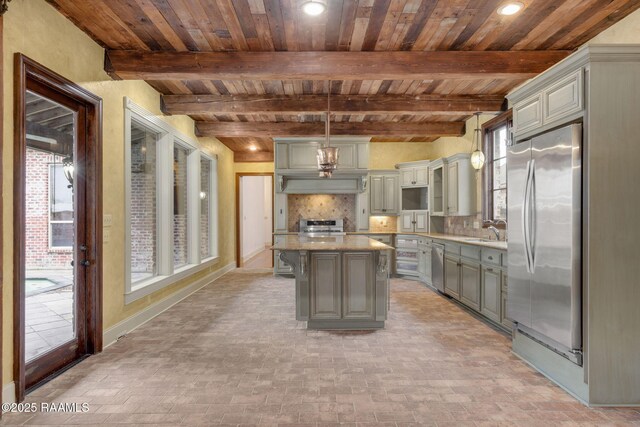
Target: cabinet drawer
x,y
491,257
451,249
527,114
563,98
471,252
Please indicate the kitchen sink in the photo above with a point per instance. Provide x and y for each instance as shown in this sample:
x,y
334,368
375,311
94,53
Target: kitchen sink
x,y
477,239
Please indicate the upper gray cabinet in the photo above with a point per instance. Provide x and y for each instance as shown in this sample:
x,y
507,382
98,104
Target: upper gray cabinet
x,y
301,154
414,174
559,100
453,186
384,193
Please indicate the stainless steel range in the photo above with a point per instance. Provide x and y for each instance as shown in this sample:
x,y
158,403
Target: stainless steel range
x,y
322,227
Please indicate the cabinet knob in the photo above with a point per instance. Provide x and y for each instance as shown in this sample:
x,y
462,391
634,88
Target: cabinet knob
x,y
490,257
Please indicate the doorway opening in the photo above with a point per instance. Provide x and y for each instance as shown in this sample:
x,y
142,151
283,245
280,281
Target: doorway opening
x,y
57,214
254,220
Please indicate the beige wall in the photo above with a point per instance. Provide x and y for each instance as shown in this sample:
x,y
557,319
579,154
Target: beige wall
x,y
253,167
626,31
35,29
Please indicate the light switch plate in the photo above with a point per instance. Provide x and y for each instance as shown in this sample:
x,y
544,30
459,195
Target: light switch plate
x,y
107,220
476,224
106,235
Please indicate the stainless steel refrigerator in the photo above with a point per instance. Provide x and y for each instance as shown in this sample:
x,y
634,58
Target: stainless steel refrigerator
x,y
544,245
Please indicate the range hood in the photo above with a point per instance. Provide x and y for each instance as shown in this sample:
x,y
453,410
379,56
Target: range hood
x,y
308,182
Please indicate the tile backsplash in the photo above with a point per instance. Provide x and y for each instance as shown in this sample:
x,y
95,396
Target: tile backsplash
x,y
464,226
383,224
321,206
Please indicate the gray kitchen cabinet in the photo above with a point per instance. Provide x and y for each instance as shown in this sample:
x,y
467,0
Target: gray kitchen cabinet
x,y
279,266
461,186
414,174
384,194
527,114
362,211
301,153
452,188
414,221
280,211
358,286
452,275
491,298
424,260
325,286
504,320
470,284
438,187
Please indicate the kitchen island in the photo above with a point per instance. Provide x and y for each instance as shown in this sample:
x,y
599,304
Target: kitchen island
x,y
342,282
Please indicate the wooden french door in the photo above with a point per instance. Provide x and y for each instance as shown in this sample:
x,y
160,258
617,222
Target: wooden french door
x,y
58,240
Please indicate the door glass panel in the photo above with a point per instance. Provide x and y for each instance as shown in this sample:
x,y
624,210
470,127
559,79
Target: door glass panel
x,y
180,252
49,285
144,226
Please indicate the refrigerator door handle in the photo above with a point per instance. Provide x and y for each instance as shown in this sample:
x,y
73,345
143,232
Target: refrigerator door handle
x,y
532,216
525,218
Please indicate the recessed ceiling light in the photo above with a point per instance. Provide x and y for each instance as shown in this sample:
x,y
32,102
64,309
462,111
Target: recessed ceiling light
x,y
253,148
313,8
510,8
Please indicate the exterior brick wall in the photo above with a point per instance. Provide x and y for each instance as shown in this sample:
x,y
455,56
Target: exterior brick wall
x,y
180,242
205,172
143,202
38,254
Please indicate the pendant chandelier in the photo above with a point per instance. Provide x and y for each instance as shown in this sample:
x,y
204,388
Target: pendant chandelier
x,y
327,155
477,156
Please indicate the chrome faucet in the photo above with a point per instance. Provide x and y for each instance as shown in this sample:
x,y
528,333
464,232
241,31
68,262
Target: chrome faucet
x,y
495,231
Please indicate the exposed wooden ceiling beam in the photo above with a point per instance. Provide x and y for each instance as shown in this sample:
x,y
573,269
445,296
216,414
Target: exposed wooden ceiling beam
x,y
253,156
323,65
281,129
340,104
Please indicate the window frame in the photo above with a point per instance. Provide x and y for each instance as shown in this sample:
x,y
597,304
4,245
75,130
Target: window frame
x,y
168,138
504,118
52,248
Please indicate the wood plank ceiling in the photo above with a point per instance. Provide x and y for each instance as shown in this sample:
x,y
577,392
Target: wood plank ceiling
x,y
182,26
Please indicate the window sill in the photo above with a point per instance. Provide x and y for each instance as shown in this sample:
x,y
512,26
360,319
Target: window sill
x,y
154,284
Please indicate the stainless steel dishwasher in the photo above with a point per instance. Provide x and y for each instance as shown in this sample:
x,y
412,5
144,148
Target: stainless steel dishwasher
x,y
437,266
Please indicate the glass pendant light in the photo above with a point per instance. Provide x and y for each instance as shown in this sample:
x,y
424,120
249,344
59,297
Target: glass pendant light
x,y
477,156
327,155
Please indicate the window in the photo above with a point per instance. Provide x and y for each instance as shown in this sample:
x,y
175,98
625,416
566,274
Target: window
x,y
171,204
496,136
60,209
143,208
180,219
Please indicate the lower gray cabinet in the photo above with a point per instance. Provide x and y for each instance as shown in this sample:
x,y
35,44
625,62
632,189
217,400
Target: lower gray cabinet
x,y
491,301
470,284
342,294
358,286
452,276
325,286
506,322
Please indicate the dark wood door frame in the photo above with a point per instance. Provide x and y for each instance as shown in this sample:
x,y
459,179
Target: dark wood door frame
x,y
238,226
27,69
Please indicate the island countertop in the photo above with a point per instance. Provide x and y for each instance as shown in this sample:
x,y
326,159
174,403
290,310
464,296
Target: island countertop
x,y
330,243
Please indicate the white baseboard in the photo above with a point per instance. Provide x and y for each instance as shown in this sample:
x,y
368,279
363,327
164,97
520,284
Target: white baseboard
x,y
251,254
9,393
112,334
